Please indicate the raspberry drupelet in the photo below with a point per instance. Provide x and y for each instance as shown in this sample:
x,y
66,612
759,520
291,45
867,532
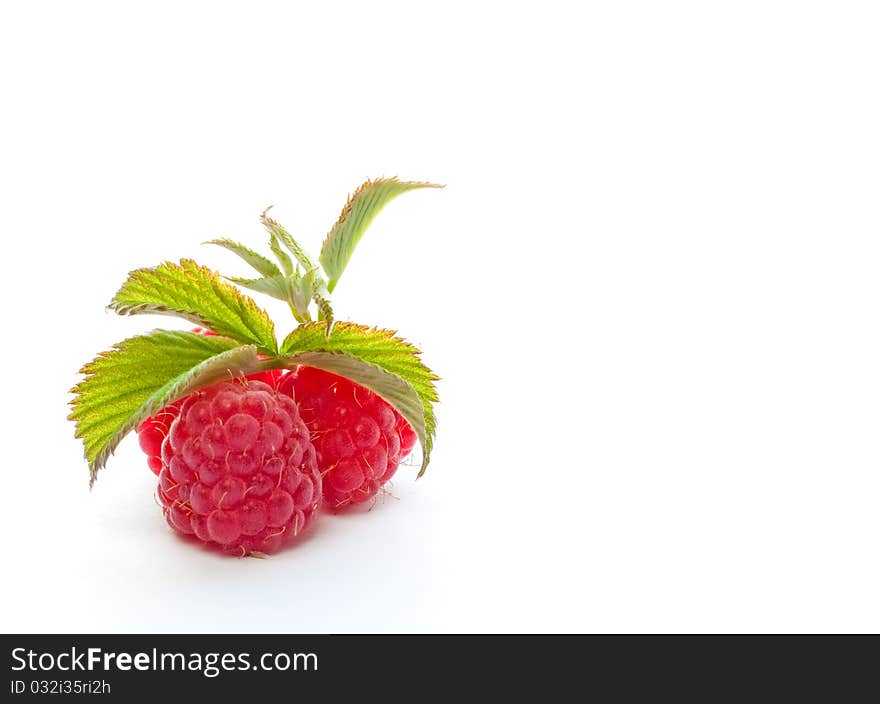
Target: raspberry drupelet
x,y
154,429
359,438
239,471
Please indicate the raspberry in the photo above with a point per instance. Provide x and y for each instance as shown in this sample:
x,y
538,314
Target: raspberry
x,y
359,439
153,430
238,469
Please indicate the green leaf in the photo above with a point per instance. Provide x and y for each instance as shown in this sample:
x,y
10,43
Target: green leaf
x,y
359,211
312,285
139,376
381,348
276,230
399,393
300,290
280,254
263,266
295,290
199,295
275,286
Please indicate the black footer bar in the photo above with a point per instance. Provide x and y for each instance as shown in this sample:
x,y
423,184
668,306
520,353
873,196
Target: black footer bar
x,y
550,668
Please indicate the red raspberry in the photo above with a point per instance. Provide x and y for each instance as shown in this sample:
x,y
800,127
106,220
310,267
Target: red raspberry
x,y
359,439
239,471
153,430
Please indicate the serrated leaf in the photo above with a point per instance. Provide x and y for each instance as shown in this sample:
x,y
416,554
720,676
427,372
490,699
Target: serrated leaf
x,y
261,264
275,286
139,376
295,290
399,393
197,294
359,211
275,229
300,289
381,348
280,254
312,285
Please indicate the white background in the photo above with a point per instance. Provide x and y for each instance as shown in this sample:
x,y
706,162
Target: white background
x,y
651,288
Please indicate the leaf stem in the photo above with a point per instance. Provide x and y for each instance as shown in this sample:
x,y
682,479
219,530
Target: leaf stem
x,y
299,318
